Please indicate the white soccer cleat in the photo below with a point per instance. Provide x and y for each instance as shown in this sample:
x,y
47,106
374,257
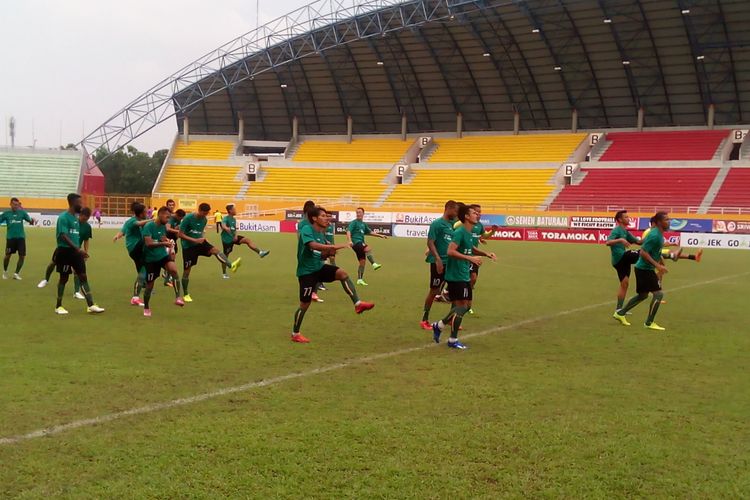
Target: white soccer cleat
x,y
79,296
95,309
61,310
5,276
42,284
17,276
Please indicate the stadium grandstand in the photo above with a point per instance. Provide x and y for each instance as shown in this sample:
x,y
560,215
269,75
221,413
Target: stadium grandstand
x,y
563,106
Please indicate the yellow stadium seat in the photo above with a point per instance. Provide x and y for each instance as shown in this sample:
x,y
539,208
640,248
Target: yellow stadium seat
x,y
365,185
359,151
203,150
507,148
484,186
194,179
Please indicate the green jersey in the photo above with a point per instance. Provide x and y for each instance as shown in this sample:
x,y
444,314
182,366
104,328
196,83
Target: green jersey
x,y
132,232
309,260
193,227
476,232
156,232
14,219
85,232
230,223
69,224
173,223
358,230
441,232
330,232
653,245
303,222
458,269
618,250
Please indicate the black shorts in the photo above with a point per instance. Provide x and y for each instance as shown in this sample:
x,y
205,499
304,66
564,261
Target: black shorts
x,y
69,260
359,249
14,245
228,247
473,269
54,255
153,269
627,260
309,282
137,257
460,290
646,281
190,255
436,279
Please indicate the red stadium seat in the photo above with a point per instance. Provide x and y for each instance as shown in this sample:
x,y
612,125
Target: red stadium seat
x,y
735,192
691,145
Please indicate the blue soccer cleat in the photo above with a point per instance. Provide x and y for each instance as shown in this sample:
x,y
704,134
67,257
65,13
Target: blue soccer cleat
x,y
457,345
436,333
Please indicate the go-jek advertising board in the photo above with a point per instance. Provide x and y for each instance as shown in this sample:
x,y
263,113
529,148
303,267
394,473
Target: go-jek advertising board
x,y
721,241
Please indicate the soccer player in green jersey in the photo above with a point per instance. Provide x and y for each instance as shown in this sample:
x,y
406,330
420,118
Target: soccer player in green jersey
x,y
173,231
479,234
312,250
158,255
439,237
131,230
16,236
461,254
70,256
230,238
649,262
355,233
86,233
618,242
330,239
194,245
304,222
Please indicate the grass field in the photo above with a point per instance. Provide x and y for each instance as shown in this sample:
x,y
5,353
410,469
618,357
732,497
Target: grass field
x,y
553,398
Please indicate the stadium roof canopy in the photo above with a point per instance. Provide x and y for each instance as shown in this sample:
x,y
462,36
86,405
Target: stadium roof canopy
x,y
431,59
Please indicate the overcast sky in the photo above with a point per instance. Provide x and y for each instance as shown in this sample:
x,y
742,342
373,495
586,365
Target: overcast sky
x,y
68,65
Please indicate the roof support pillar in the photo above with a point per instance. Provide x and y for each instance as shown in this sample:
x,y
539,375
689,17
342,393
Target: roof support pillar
x,y
459,125
185,130
241,129
574,121
403,126
639,125
349,128
711,114
516,122
295,128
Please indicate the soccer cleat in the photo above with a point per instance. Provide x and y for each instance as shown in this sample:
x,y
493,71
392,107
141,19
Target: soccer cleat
x,y
179,302
699,255
61,310
425,325
471,311
322,288
136,301
225,276
376,266
676,255
94,309
147,313
17,276
654,326
263,253
187,298
362,282
79,296
622,319
663,301
297,337
236,265
436,333
5,275
363,306
457,345
42,284
439,298
316,298
169,283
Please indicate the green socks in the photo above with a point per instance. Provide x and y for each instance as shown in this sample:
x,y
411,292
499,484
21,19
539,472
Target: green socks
x,y
360,272
48,272
147,296
19,265
76,284
185,282
60,292
350,290
87,292
299,314
632,303
370,258
653,308
426,315
620,302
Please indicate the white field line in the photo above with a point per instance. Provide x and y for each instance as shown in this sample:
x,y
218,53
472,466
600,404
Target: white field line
x,y
166,405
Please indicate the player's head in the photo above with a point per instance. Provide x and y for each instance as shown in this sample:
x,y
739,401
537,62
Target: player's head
x,y
318,215
15,203
451,209
75,202
661,220
85,214
231,209
179,214
171,205
163,215
622,218
477,208
309,205
204,209
360,213
467,214
138,209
